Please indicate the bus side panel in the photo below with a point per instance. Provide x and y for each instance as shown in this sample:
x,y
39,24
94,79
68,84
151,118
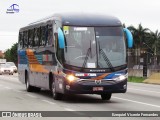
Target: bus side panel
x,y
22,65
21,73
41,61
41,79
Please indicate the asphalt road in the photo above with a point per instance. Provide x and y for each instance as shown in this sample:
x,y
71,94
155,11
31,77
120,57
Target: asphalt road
x,y
139,97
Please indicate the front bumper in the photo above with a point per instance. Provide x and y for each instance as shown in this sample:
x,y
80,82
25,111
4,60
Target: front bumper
x,y
86,87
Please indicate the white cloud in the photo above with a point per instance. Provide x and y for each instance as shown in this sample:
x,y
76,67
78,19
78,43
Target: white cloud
x,y
130,12
7,39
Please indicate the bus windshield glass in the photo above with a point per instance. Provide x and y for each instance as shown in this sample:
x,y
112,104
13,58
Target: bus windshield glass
x,y
94,47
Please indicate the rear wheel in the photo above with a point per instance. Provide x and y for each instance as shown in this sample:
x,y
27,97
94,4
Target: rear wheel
x,y
36,89
29,88
56,95
106,96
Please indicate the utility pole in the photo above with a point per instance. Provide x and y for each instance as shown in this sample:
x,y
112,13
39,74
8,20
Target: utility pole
x,y
145,64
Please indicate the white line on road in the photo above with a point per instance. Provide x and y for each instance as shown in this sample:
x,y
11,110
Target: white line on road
x,y
8,88
19,91
48,102
68,109
137,102
144,90
31,96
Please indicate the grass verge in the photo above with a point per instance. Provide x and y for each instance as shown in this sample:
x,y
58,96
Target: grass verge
x,y
135,79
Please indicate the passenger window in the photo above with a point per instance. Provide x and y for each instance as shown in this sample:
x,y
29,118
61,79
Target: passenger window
x,y
40,36
25,34
36,39
43,39
50,35
30,40
20,43
46,35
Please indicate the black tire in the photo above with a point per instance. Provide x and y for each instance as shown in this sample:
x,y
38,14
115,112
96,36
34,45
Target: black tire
x,y
106,96
36,89
55,94
29,88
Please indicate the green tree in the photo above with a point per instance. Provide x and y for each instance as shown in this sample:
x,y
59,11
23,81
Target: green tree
x,y
7,55
139,36
154,42
11,54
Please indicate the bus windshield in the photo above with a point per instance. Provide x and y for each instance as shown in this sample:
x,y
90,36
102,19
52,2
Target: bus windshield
x,y
94,47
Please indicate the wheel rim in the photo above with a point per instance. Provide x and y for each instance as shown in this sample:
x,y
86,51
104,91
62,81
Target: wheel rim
x,y
27,84
53,89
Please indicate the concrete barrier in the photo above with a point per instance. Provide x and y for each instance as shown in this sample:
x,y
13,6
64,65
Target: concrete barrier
x,y
137,72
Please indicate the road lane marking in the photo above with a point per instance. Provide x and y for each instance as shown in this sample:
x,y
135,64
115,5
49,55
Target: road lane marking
x,y
48,102
19,91
31,95
144,90
137,102
68,109
8,88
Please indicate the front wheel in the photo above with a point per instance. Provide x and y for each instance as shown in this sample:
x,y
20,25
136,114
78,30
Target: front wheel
x,y
29,88
106,96
56,95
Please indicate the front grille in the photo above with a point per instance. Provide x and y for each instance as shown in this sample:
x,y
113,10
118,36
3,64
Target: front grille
x,y
92,82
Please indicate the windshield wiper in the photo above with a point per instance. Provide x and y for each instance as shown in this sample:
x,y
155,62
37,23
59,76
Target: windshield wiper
x,y
106,59
86,58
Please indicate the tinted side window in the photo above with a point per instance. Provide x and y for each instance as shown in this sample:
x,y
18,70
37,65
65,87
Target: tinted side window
x,y
43,40
25,34
46,35
39,35
36,39
20,43
50,35
30,38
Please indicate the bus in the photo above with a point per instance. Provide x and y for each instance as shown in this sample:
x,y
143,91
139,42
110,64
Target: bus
x,y
74,53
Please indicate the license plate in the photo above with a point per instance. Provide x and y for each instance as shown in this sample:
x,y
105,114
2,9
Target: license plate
x,y
97,88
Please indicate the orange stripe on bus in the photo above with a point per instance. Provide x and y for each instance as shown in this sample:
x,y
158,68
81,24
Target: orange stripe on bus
x,y
36,67
100,77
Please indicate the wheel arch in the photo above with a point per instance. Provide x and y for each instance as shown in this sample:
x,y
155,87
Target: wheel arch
x,y
51,78
26,75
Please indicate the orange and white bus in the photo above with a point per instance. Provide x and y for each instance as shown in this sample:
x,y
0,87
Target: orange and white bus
x,y
74,53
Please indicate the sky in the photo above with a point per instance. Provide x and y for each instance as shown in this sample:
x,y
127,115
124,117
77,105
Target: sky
x,y
130,12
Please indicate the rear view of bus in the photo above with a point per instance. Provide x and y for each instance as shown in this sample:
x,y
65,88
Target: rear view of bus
x,y
90,56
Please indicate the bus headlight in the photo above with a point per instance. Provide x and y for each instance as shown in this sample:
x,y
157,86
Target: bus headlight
x,y
71,78
121,77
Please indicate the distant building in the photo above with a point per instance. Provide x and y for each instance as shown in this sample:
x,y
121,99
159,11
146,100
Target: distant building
x,y
1,54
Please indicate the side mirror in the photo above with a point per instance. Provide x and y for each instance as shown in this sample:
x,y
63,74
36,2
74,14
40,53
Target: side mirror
x,y
129,37
61,39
